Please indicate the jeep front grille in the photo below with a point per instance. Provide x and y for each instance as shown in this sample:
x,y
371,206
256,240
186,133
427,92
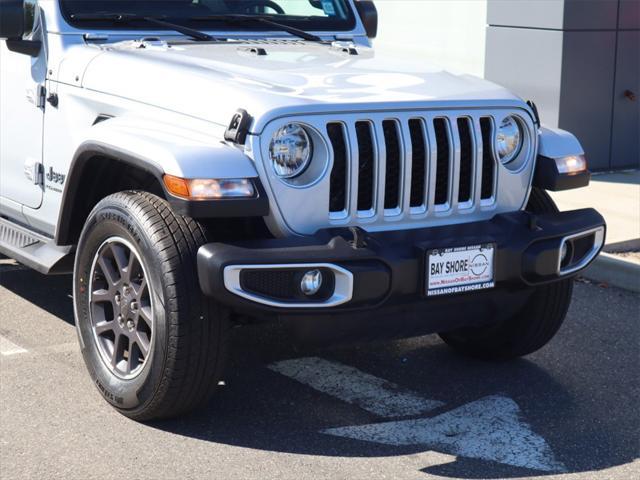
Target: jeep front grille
x,y
404,162
394,170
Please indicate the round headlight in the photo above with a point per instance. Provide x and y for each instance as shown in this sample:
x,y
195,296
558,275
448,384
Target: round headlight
x,y
509,139
290,151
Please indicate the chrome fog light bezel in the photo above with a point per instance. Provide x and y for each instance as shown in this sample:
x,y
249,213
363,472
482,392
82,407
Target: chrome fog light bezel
x,y
598,242
343,285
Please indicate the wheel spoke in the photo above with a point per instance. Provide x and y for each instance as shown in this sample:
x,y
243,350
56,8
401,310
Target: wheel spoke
x,y
142,343
116,350
130,265
132,360
120,256
108,271
139,290
101,296
104,327
145,314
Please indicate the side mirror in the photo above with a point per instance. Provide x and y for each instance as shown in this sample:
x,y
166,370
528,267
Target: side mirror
x,y
14,15
369,16
11,19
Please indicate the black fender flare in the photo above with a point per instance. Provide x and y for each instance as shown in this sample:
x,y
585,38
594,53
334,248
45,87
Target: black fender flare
x,y
257,206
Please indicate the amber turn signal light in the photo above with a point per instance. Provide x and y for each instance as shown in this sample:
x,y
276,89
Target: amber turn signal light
x,y
209,189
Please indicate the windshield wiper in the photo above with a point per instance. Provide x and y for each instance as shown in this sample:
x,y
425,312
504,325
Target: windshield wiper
x,y
131,17
237,18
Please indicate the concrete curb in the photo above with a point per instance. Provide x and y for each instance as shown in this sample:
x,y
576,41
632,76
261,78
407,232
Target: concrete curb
x,y
614,271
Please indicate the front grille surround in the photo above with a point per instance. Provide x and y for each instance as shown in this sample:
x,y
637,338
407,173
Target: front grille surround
x,y
367,138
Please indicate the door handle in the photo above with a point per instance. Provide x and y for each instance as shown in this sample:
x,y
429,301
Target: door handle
x,y
36,95
31,95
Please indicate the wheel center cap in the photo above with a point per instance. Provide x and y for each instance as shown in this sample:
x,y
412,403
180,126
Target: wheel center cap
x,y
128,297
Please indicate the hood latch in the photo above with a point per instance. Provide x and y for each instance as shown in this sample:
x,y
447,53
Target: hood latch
x,y
238,128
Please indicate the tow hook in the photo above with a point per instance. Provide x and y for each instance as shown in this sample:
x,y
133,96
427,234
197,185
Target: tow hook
x,y
359,238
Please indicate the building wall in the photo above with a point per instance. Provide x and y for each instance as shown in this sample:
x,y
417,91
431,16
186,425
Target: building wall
x,y
578,60
449,33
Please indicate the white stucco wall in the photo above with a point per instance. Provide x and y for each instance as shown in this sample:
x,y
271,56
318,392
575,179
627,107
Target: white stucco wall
x,y
449,33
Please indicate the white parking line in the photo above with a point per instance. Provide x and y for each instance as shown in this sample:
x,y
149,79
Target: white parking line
x,y
7,347
349,384
488,429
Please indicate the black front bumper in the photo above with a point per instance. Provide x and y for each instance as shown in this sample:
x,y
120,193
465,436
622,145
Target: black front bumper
x,y
388,268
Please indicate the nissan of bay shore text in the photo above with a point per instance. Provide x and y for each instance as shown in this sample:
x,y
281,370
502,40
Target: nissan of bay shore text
x,y
203,164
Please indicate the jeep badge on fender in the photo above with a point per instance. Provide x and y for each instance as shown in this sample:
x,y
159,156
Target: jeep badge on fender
x,y
55,177
220,163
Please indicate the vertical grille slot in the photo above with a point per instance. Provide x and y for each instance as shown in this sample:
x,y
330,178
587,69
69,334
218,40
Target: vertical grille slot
x,y
488,165
443,159
466,160
392,170
339,176
366,175
418,163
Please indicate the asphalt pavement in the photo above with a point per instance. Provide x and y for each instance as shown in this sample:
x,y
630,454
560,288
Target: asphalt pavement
x,y
408,409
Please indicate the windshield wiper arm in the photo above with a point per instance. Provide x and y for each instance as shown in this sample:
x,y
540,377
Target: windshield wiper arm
x,y
236,18
129,17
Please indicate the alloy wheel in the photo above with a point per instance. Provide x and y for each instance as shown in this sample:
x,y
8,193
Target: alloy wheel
x,y
121,308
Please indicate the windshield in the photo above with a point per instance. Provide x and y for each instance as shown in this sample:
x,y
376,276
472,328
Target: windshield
x,y
309,15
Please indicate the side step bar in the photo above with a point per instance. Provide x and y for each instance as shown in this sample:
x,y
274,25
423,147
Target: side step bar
x,y
34,250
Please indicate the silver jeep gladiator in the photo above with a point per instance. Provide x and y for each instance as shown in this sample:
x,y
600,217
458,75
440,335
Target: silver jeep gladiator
x,y
199,164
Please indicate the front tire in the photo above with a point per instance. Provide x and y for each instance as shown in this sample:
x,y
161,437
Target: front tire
x,y
532,327
153,344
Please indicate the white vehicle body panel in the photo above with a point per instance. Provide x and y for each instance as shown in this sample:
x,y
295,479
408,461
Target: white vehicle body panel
x,y
557,143
296,77
175,144
21,123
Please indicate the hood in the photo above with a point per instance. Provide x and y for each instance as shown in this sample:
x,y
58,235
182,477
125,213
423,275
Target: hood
x,y
272,78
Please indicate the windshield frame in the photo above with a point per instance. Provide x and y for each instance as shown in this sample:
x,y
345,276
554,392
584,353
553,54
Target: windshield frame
x,y
324,26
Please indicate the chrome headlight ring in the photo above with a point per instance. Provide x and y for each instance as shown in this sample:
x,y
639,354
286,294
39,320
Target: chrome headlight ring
x,y
509,139
290,151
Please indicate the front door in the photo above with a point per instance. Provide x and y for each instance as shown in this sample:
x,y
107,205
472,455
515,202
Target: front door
x,y
21,124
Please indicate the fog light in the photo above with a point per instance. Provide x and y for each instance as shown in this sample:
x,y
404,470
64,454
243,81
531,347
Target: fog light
x,y
311,282
563,253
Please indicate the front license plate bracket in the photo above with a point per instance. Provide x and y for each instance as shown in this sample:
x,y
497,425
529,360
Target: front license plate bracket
x,y
460,269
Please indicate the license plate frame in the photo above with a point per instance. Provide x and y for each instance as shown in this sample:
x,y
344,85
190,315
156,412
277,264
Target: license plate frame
x,y
453,270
